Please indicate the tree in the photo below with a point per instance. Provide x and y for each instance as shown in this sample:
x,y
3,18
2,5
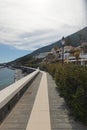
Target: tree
x,y
55,48
77,54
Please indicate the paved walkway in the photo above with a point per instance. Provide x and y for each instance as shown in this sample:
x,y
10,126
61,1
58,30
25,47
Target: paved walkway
x,y
18,118
40,116
41,110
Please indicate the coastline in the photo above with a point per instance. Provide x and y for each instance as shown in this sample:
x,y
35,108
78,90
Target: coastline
x,y
2,67
6,77
18,74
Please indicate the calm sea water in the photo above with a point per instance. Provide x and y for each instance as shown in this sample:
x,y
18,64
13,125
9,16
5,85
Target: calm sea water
x,y
6,77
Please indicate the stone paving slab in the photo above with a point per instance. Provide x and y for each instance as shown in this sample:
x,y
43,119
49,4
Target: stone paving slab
x,y
59,113
18,117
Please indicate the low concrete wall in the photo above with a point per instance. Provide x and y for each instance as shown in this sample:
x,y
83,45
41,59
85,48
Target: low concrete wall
x,y
10,95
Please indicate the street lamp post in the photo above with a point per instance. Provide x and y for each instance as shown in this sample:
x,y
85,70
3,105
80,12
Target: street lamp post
x,y
63,43
81,54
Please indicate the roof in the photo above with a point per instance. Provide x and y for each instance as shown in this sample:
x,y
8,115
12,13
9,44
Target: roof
x,y
68,47
84,43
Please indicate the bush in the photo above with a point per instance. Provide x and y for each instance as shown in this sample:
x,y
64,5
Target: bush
x,y
71,81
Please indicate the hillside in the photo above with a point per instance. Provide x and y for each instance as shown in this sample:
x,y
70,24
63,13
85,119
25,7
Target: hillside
x,y
73,40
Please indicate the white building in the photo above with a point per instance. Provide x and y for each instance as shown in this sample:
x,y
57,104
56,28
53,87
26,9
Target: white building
x,y
42,55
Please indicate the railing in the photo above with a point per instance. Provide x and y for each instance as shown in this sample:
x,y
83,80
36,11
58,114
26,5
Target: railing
x,y
10,95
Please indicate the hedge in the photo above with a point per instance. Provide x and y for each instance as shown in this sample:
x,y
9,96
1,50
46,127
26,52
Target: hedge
x,y
71,82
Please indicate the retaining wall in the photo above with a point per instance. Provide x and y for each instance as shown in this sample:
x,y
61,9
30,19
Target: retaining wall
x,y
10,95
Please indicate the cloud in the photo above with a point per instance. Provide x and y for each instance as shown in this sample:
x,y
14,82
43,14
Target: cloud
x,y
28,40
30,24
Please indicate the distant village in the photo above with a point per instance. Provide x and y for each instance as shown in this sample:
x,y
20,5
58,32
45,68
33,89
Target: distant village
x,y
68,53
63,54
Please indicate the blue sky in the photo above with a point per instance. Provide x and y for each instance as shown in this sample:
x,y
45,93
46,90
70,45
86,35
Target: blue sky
x,y
8,53
26,25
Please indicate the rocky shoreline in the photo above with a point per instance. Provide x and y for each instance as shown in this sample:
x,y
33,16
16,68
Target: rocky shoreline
x,y
19,74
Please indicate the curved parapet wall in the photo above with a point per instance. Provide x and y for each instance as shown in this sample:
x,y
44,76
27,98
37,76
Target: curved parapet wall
x,y
10,95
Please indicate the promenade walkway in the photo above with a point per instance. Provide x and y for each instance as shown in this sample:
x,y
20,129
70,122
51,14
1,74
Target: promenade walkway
x,y
40,115
41,108
19,116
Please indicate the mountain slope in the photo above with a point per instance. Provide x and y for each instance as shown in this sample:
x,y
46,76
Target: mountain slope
x,y
73,40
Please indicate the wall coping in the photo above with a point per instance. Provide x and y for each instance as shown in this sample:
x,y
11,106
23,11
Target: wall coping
x,y
9,92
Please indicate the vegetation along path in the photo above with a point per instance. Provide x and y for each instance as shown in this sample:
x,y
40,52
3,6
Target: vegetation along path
x,y
59,113
43,102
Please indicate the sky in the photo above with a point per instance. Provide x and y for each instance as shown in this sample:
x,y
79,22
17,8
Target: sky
x,y
26,25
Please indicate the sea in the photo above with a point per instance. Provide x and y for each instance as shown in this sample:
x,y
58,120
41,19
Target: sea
x,y
6,77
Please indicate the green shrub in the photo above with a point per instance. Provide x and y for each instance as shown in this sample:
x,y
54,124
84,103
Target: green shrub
x,y
71,81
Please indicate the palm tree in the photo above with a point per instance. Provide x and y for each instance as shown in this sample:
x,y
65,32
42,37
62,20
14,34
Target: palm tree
x,y
77,55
